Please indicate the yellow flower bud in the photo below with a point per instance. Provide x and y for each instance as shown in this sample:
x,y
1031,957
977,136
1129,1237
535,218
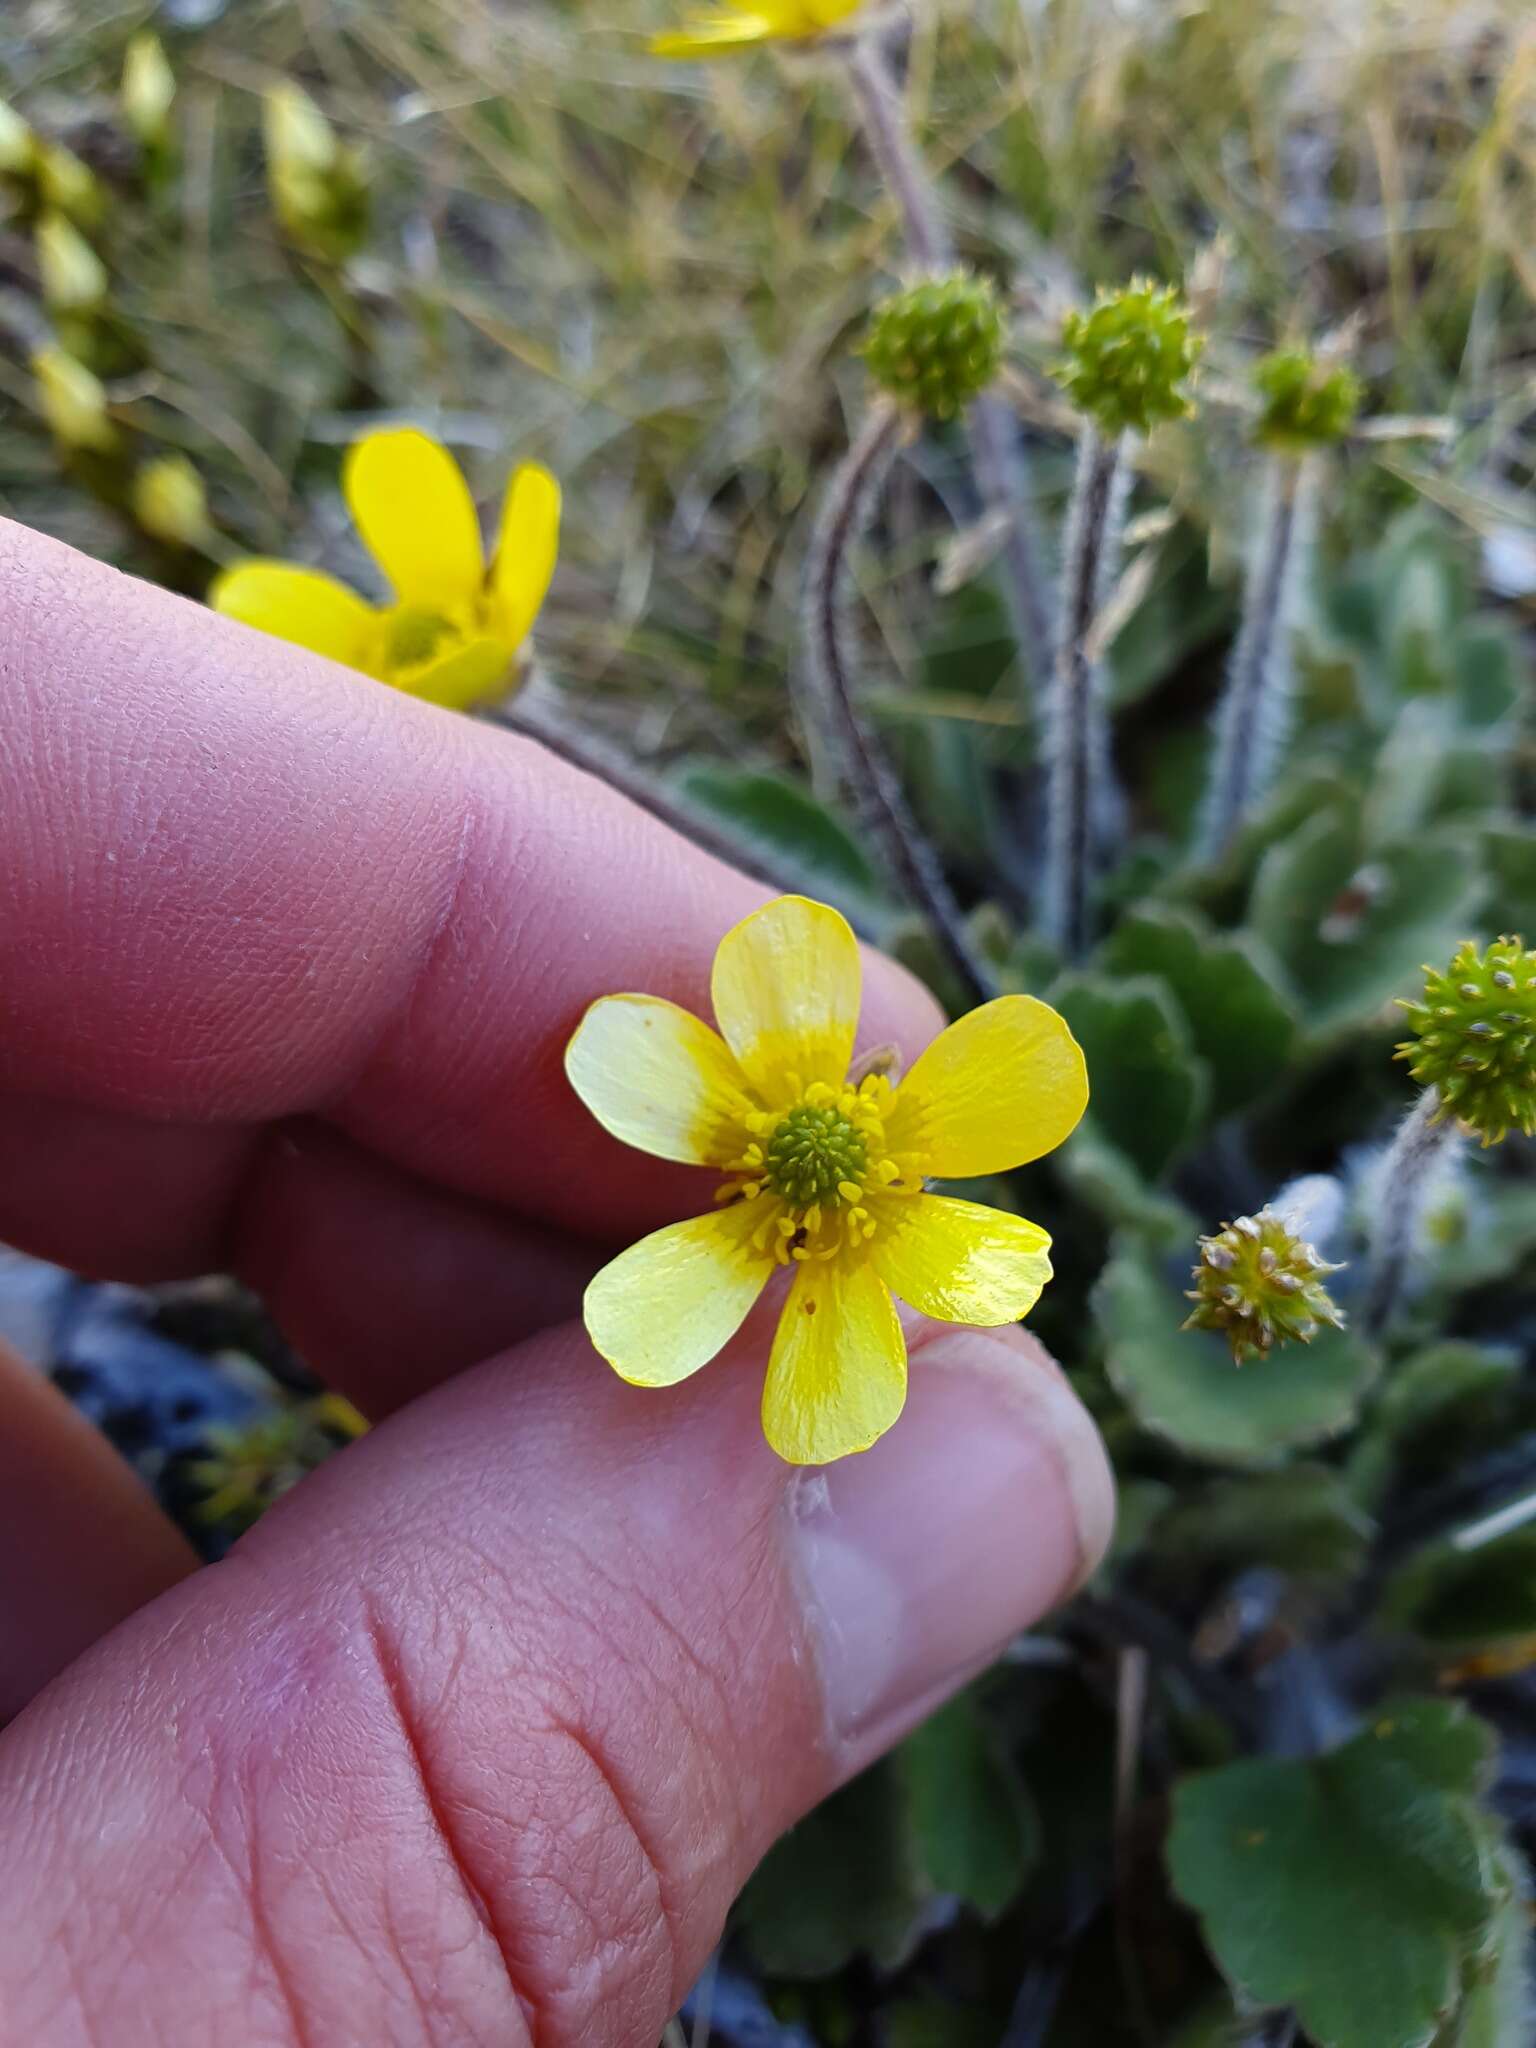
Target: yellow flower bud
x,y
73,401
18,145
148,90
74,278
317,183
67,185
170,503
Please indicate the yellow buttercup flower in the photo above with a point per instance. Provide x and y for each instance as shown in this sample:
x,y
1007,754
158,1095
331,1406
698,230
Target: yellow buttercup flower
x,y
755,21
825,1171
456,625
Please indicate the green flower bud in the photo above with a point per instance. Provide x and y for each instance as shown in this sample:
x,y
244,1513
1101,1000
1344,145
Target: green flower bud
x,y
1127,359
73,401
1261,1285
73,276
938,345
1475,1038
318,183
148,91
1306,404
169,502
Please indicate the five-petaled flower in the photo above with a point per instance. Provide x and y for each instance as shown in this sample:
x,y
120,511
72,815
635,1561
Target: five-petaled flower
x,y
746,22
825,1173
456,626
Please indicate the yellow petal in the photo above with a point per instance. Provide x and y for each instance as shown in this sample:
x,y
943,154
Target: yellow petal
x,y
659,1079
786,994
667,1305
526,546
1003,1086
837,1378
412,507
712,38
302,605
960,1262
466,675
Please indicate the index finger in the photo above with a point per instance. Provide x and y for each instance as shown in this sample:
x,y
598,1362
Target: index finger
x,y
238,883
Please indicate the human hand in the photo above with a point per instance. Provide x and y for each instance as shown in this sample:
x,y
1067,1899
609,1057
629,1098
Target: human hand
x,y
475,1737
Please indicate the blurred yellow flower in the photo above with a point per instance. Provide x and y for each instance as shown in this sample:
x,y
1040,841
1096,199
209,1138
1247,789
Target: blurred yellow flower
x,y
826,1174
18,145
170,503
72,275
73,401
455,627
148,90
755,21
318,183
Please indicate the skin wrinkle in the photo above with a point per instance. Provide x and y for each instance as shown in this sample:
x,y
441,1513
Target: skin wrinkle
x,y
662,1914
264,1938
391,1675
528,1945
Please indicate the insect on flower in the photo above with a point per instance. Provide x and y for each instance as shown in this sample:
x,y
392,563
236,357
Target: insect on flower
x,y
823,1173
455,626
747,22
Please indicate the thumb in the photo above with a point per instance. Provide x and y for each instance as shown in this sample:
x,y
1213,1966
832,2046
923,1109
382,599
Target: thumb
x,y
476,1736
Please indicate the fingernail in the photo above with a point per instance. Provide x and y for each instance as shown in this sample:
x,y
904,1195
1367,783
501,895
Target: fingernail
x,y
987,1505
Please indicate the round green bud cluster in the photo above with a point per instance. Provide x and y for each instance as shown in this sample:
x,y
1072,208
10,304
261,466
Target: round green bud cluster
x,y
936,346
1127,359
1261,1285
1474,1038
1306,404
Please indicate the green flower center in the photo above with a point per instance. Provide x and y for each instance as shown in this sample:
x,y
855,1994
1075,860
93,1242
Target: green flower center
x,y
814,1153
416,635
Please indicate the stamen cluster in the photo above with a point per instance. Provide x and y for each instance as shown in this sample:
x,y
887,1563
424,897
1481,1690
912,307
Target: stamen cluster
x,y
1261,1285
1475,1038
824,1159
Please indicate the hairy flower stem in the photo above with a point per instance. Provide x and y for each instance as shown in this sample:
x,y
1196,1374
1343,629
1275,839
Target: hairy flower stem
x,y
1420,1149
930,246
882,807
1254,713
1079,791
997,451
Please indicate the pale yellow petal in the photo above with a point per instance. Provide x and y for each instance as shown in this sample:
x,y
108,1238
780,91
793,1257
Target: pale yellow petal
x,y
716,37
958,1261
412,507
786,994
527,544
467,675
301,605
659,1079
837,1378
667,1305
1001,1087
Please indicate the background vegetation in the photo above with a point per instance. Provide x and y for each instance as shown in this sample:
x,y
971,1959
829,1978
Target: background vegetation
x,y
1273,1777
